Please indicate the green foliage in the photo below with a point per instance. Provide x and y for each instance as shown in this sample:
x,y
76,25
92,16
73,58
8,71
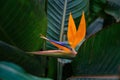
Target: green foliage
x,y
55,16
21,22
97,6
100,54
95,27
55,12
96,9
113,9
10,71
15,55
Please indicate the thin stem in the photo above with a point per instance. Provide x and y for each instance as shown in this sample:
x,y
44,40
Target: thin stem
x,y
63,21
60,65
60,68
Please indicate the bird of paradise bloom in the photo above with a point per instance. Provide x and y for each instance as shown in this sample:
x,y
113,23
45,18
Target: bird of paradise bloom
x,y
74,38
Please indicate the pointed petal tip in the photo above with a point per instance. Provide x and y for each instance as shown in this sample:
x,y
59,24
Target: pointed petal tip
x,y
82,12
71,29
81,32
43,37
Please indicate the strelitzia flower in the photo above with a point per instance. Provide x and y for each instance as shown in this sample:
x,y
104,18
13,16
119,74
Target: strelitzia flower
x,y
74,38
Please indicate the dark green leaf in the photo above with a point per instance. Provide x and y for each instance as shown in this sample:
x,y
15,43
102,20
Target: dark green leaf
x,y
96,6
96,9
15,55
10,71
21,22
113,9
99,54
93,28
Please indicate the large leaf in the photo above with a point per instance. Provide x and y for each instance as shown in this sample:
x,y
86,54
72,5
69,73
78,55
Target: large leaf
x,y
10,71
15,55
21,22
93,29
100,54
58,12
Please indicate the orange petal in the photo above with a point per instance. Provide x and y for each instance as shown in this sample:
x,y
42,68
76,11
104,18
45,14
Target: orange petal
x,y
71,30
81,32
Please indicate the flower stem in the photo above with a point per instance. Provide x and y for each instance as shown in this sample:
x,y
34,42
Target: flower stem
x,y
60,65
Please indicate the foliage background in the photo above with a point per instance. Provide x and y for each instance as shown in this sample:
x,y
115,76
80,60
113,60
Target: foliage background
x,y
22,21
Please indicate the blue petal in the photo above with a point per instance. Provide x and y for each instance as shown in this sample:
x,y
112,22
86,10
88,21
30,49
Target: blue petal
x,y
65,44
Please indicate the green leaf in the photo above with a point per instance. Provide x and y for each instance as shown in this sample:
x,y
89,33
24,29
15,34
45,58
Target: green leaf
x,y
100,54
113,9
97,6
21,22
10,71
95,27
58,12
29,62
57,20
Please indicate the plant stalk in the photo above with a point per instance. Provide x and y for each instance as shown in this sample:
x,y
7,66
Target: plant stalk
x,y
60,64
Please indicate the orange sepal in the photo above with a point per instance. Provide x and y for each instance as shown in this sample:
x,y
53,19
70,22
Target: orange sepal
x,y
80,34
71,30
